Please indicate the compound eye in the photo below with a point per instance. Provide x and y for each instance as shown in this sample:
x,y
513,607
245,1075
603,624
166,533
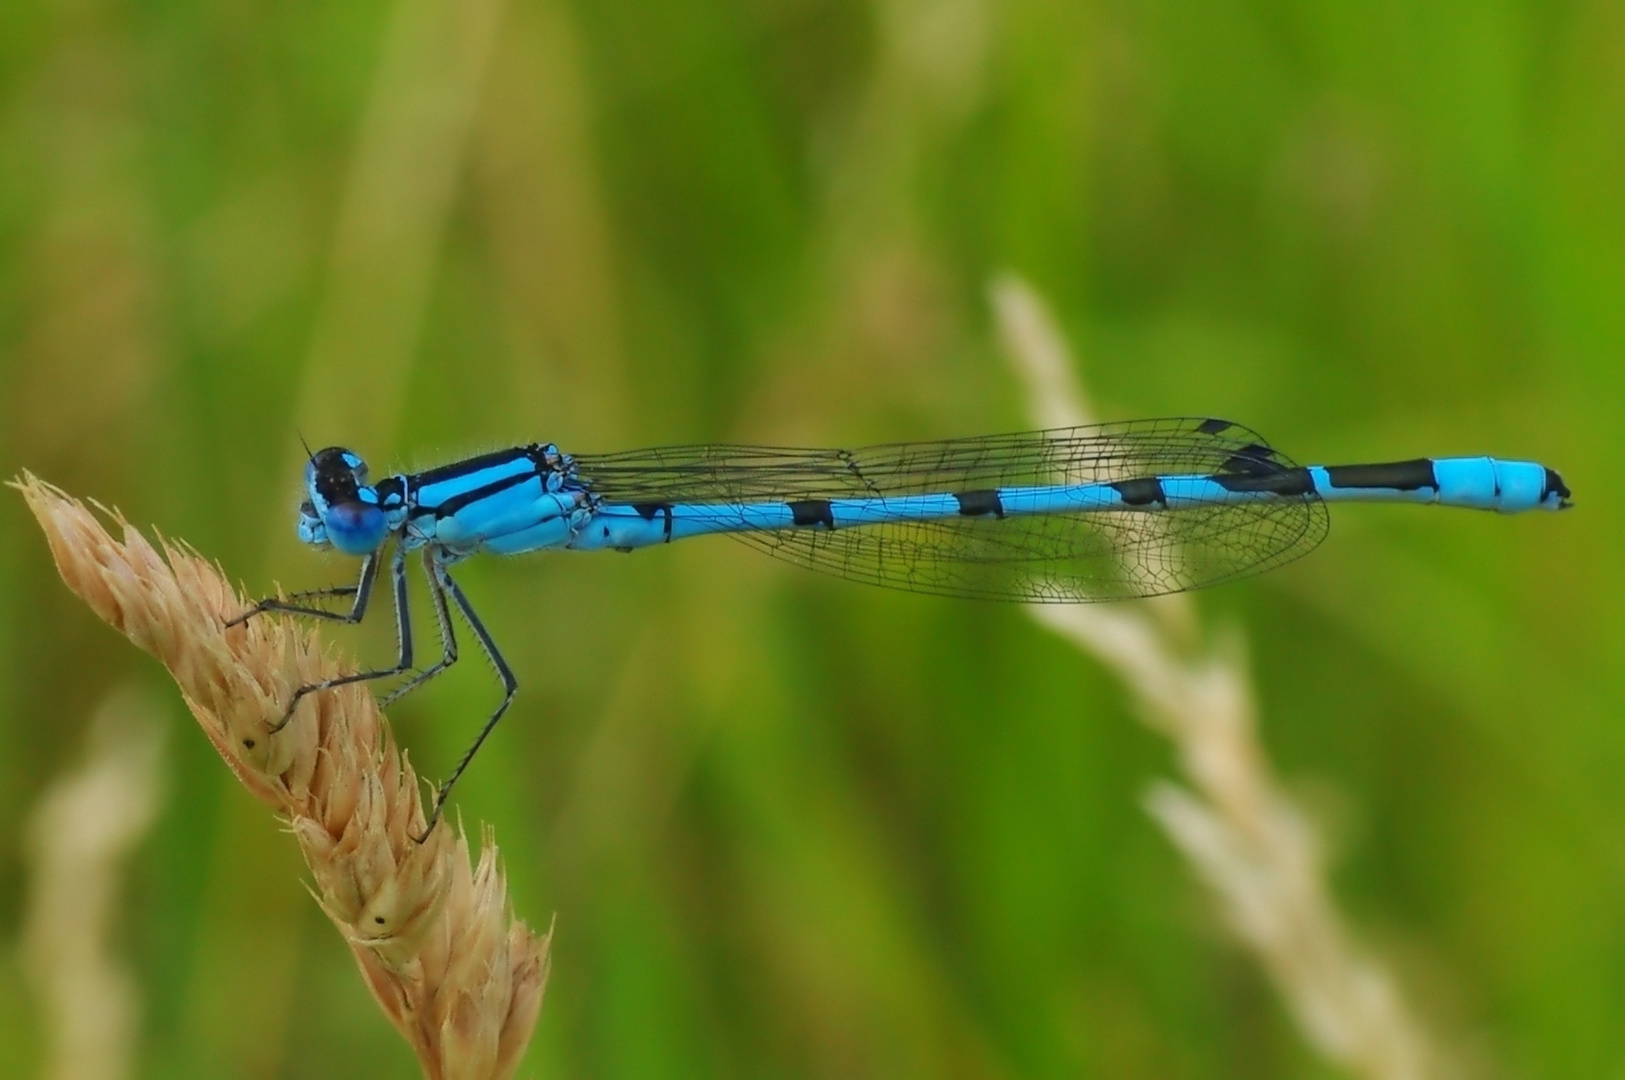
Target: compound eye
x,y
356,528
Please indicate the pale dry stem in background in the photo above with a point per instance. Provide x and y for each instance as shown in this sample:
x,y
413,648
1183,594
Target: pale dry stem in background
x,y
85,824
1240,830
408,159
457,975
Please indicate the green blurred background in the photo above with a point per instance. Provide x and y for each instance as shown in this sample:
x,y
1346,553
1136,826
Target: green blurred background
x,y
792,827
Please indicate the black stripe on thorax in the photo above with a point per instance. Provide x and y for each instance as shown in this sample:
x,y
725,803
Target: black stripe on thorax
x,y
458,469
979,502
453,505
812,512
1399,475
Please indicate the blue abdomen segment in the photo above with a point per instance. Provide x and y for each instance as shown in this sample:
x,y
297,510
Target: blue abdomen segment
x,y
1477,483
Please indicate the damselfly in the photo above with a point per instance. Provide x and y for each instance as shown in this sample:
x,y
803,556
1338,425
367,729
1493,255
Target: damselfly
x,y
1076,514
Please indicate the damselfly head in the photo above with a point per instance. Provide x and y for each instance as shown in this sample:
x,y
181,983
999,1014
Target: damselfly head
x,y
340,508
335,474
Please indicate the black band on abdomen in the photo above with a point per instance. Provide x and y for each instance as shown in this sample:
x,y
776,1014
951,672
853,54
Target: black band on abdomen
x,y
812,512
978,503
1399,475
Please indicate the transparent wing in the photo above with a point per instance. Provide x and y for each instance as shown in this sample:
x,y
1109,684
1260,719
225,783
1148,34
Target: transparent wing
x,y
1055,558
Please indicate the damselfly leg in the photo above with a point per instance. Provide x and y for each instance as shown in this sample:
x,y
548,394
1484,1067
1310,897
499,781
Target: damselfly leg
x,y
362,591
440,586
441,583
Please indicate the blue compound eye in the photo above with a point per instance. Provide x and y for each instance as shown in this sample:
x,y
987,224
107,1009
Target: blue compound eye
x,y
356,528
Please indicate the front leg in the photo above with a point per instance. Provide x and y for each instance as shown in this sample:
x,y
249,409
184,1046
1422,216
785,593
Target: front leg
x,y
403,637
361,590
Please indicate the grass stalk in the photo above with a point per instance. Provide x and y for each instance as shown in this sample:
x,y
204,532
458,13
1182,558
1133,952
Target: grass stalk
x,y
452,969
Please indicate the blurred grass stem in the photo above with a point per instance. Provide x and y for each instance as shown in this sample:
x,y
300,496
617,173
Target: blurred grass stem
x,y
409,158
1238,828
79,834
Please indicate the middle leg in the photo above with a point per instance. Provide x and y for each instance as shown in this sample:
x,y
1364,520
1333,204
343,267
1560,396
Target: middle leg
x,y
448,636
510,685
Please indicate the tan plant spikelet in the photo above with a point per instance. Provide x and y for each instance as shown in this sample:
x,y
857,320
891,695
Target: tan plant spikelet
x,y
434,937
